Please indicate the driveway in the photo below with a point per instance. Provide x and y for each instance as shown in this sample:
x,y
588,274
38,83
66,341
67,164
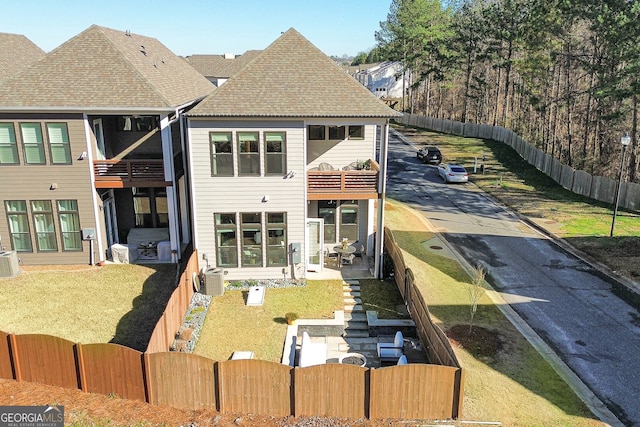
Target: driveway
x,y
564,300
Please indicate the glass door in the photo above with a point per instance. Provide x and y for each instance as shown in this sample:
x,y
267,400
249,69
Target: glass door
x,y
315,244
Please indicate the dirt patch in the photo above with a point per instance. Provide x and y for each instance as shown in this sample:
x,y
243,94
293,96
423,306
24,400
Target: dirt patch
x,y
481,342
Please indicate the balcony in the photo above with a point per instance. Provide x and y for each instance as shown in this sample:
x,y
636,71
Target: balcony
x,y
129,173
343,184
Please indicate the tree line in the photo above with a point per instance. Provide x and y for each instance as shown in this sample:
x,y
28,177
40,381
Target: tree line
x,y
563,74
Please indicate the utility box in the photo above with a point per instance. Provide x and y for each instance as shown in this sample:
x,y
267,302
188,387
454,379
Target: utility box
x,y
213,282
9,266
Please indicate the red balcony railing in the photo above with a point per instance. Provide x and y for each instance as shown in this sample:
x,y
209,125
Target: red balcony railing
x,y
357,184
128,173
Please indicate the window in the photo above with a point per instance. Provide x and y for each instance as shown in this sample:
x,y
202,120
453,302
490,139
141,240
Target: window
x,y
43,224
69,225
8,145
276,153
136,123
221,154
32,143
248,153
316,132
59,143
277,239
327,211
226,241
356,132
18,225
251,229
150,207
349,221
336,132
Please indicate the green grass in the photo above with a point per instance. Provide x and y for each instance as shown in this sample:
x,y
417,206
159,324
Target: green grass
x,y
383,297
231,325
530,392
115,303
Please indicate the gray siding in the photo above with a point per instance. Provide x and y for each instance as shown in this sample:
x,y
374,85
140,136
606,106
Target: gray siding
x,y
32,182
245,194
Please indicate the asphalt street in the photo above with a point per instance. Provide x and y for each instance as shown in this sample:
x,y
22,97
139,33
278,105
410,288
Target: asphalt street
x,y
562,298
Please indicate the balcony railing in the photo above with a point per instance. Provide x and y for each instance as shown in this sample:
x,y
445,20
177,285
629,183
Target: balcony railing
x,y
128,173
355,184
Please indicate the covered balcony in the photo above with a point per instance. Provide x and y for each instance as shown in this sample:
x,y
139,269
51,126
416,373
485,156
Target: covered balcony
x,y
354,182
129,173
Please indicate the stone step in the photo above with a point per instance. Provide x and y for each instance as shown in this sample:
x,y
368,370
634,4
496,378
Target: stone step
x,y
348,294
354,301
355,333
352,282
351,287
356,327
356,316
353,308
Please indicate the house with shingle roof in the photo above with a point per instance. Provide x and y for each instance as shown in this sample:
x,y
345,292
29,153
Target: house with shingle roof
x,y
287,159
16,53
218,68
92,150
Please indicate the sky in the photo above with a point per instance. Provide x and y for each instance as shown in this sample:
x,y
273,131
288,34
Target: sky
x,y
336,27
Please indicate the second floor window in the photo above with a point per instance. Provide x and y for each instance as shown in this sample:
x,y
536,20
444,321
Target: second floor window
x,y
276,153
59,143
8,145
32,143
248,153
221,154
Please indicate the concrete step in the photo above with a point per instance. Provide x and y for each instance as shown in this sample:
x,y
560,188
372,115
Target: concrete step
x,y
358,316
355,333
353,301
352,288
353,308
355,324
351,294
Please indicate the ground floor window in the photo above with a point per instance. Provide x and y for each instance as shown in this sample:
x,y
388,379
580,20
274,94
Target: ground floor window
x,y
150,207
341,220
250,249
41,214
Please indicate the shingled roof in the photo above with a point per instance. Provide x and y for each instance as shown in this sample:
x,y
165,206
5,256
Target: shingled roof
x,y
16,53
292,78
219,65
102,68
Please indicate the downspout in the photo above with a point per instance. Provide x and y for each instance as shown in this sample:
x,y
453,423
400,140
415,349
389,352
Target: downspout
x,y
382,184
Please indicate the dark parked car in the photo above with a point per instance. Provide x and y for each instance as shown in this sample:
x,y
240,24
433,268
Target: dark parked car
x,y
430,154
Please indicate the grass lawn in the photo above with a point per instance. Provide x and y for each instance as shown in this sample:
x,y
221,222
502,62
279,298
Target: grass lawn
x,y
85,304
231,325
513,385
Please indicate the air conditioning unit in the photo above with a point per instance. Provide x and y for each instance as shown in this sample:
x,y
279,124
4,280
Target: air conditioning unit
x,y
9,264
213,282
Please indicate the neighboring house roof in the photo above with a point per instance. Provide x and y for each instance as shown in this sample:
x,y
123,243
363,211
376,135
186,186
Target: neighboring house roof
x,y
292,78
221,66
102,68
16,53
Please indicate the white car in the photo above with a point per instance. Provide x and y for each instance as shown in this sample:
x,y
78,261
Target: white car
x,y
453,173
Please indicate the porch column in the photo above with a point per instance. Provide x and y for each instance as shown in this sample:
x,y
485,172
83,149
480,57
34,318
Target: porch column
x,y
382,184
169,175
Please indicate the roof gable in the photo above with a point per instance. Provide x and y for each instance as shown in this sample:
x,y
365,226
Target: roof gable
x,y
105,68
16,53
292,78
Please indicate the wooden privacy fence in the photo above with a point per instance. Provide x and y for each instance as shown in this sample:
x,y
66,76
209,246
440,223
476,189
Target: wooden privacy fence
x,y
433,339
188,381
580,182
165,330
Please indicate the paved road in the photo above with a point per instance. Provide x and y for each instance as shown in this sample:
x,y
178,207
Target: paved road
x,y
563,299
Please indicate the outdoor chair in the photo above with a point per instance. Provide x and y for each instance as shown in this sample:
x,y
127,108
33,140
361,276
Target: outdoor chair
x,y
402,360
391,352
347,259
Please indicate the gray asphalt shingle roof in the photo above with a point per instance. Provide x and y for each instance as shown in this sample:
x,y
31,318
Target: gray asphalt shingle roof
x,y
292,78
218,65
105,68
16,53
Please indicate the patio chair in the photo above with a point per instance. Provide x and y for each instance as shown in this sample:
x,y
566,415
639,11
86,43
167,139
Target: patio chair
x,y
330,258
402,360
391,352
347,259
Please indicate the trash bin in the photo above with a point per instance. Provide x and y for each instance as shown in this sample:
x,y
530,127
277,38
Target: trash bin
x,y
213,282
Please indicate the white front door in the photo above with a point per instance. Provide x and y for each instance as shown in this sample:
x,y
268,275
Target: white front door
x,y
315,244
